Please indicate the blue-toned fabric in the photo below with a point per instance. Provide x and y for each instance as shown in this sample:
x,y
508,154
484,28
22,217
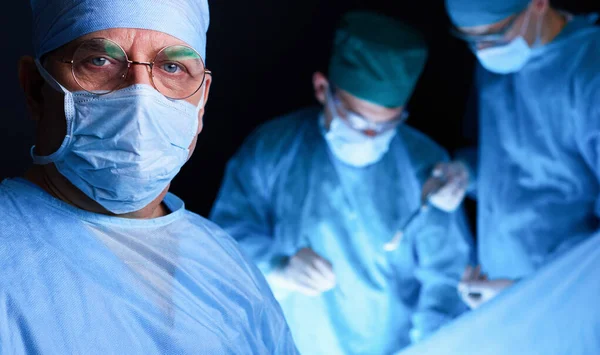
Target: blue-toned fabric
x,y
351,146
119,150
508,58
539,154
469,13
58,22
74,282
285,190
553,313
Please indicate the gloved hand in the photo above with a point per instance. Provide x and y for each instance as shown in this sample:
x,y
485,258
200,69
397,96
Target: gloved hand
x,y
447,186
306,272
475,289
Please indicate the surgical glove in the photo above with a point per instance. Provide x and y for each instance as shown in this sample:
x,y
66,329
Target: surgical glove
x,y
447,186
306,272
475,289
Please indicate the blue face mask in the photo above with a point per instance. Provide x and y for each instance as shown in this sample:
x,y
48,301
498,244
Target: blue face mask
x,y
505,59
510,57
123,149
352,147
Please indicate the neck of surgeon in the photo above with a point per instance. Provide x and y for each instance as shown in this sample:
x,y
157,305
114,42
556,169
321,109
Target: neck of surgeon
x,y
554,22
50,180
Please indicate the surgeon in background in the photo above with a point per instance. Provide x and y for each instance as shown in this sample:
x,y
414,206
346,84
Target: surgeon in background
x,y
96,257
536,172
315,197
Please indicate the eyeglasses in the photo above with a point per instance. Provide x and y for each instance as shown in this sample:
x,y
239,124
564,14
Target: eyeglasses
x,y
492,39
100,66
363,125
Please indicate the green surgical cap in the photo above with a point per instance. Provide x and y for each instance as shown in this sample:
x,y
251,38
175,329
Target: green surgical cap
x,y
376,58
470,13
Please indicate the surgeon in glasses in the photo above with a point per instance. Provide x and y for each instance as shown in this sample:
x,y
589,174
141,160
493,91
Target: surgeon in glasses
x,y
316,197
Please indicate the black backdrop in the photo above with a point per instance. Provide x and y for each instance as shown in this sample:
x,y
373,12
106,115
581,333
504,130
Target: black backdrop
x,y
262,54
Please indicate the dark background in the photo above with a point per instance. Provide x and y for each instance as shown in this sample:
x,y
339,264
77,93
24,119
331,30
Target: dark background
x,y
263,54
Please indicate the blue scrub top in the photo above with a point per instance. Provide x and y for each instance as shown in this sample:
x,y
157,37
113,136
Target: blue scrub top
x,y
539,149
284,191
75,282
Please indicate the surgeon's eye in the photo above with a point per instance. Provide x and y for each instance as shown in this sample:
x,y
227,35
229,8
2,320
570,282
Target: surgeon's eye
x,y
171,68
99,61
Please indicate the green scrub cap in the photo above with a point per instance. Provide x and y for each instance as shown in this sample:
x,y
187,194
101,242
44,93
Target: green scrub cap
x,y
377,58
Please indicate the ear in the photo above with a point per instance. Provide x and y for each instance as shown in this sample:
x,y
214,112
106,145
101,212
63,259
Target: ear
x,y
32,83
205,94
321,85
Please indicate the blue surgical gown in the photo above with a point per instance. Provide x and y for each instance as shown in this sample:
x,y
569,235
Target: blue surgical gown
x,y
75,282
284,191
539,154
554,312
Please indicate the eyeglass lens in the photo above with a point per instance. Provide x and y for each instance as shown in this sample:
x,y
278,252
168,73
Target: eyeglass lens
x,y
101,66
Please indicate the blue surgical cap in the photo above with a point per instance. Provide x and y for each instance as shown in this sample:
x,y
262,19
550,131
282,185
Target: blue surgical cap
x,y
470,13
58,22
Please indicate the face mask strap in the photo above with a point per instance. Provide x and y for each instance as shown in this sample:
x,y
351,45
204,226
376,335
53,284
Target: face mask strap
x,y
54,157
200,105
538,35
329,103
43,160
525,25
49,78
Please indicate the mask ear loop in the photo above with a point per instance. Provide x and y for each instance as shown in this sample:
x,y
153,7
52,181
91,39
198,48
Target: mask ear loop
x,y
69,107
538,35
194,130
49,79
525,24
330,104
199,107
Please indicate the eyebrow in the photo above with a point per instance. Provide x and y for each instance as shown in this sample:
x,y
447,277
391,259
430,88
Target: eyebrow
x,y
113,50
181,52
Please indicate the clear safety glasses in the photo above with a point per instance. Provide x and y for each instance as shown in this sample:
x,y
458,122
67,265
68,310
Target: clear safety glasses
x,y
361,124
500,37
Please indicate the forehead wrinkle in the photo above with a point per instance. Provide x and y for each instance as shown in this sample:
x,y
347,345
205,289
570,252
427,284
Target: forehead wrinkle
x,y
147,43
